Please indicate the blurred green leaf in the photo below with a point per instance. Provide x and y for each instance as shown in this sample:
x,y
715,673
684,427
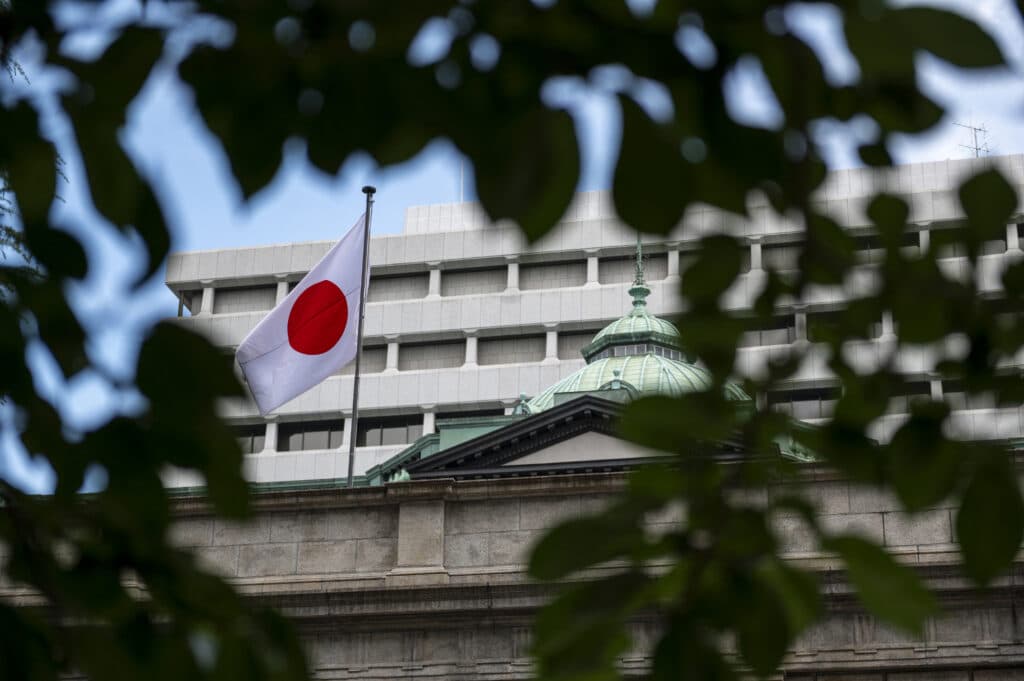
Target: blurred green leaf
x,y
889,590
528,171
990,522
651,182
924,466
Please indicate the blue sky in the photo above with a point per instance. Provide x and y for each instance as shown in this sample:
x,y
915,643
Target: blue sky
x,y
166,137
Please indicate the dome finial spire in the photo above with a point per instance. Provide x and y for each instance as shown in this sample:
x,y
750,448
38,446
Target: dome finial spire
x,y
639,291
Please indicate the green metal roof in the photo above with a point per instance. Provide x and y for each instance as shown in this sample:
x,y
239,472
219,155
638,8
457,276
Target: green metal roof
x,y
649,374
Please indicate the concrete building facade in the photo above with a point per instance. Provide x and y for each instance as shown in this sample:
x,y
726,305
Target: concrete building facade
x,y
463,317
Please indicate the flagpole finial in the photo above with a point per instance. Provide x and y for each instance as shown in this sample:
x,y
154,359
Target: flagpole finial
x,y
369,190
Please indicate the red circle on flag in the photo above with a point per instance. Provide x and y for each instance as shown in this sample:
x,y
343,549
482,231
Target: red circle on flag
x,y
318,318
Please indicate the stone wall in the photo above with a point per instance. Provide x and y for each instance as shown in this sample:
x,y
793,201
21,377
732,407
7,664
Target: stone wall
x,y
427,579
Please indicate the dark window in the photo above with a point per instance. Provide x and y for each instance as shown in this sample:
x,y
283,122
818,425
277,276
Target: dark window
x,y
809,403
251,438
296,437
443,415
777,331
909,394
389,430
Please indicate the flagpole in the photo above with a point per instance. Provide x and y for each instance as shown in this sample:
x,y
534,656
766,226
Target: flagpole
x,y
369,191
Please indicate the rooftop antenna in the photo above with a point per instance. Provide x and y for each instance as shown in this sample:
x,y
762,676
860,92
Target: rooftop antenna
x,y
978,146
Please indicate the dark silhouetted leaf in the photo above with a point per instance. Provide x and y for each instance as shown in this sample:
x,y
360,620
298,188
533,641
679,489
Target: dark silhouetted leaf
x,y
990,523
889,590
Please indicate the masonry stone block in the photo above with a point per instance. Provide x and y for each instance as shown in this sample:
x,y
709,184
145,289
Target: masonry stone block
x,y
931,675
261,560
420,533
298,527
363,523
326,557
256,531
222,560
867,525
591,504
999,674
828,497
373,555
867,499
466,550
497,515
511,548
537,513
928,527
192,532
795,536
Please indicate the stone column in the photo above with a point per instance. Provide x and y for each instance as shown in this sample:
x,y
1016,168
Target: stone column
x,y
470,349
673,262
420,544
512,284
206,305
434,283
924,240
270,436
593,268
428,419
888,328
282,288
755,254
800,323
391,361
550,344
1012,238
935,386
346,434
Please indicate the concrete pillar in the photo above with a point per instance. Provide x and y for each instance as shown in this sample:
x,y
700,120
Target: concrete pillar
x,y
470,348
755,254
673,262
206,304
512,285
1012,238
924,239
800,323
346,434
270,436
888,328
428,419
282,289
434,283
420,558
391,361
550,344
593,268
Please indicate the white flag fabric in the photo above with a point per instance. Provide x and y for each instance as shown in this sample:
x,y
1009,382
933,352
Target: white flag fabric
x,y
312,333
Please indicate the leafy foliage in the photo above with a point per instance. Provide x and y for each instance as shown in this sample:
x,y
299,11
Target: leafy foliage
x,y
290,70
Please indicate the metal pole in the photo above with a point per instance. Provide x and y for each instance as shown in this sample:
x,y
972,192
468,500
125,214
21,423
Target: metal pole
x,y
354,430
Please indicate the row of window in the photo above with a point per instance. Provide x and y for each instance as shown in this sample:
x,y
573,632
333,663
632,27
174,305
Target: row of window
x,y
802,404
819,403
329,434
571,273
639,349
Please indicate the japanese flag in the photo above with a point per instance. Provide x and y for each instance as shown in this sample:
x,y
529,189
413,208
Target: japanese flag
x,y
312,333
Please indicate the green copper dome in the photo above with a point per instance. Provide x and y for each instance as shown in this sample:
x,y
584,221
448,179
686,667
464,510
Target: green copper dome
x,y
646,374
638,353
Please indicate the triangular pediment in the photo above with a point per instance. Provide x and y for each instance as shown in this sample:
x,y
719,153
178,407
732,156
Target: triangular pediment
x,y
579,436
586,447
